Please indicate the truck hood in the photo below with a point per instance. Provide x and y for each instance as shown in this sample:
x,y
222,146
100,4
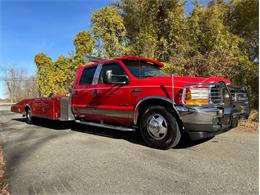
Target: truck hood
x,y
181,81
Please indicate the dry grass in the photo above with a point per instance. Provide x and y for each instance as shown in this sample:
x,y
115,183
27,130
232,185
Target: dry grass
x,y
3,179
251,124
248,126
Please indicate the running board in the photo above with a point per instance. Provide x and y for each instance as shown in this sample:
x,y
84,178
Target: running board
x,y
105,126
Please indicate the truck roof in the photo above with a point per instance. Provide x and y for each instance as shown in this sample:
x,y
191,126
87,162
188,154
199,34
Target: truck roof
x,y
126,58
140,58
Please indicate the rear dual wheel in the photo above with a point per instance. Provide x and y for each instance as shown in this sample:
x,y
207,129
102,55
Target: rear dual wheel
x,y
28,116
159,128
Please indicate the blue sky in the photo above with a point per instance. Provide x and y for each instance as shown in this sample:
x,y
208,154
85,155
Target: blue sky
x,y
31,26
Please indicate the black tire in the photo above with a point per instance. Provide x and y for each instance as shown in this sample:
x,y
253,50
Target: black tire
x,y
28,116
152,121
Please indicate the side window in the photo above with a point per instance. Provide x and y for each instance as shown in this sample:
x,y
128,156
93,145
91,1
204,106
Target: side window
x,y
87,76
116,70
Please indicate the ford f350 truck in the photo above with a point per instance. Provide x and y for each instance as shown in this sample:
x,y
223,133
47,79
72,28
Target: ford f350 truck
x,y
134,94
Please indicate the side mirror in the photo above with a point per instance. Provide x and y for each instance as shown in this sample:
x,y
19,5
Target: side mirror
x,y
110,78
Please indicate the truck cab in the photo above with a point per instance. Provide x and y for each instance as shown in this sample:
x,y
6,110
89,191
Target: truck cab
x,y
130,93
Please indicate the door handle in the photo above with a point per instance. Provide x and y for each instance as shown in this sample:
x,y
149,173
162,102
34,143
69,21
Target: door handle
x,y
95,92
136,90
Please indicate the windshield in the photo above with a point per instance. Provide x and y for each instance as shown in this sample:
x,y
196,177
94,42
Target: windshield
x,y
143,69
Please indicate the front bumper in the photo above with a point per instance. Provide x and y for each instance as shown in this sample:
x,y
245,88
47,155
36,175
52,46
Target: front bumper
x,y
227,105
204,122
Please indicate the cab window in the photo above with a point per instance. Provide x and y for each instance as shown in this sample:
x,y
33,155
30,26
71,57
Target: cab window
x,y
87,75
143,69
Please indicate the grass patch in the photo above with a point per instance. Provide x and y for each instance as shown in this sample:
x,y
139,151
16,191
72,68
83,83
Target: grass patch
x,y
3,178
251,124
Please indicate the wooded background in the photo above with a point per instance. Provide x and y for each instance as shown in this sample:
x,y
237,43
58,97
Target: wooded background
x,y
217,39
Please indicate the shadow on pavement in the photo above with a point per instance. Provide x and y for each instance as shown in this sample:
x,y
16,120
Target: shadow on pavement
x,y
57,125
186,142
133,137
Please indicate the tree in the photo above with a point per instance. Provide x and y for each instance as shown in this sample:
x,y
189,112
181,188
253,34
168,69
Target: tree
x,y
84,44
18,84
63,76
139,17
109,31
44,75
220,39
30,89
242,17
56,77
155,29
172,30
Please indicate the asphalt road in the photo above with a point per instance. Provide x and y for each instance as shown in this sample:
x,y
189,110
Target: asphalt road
x,y
61,158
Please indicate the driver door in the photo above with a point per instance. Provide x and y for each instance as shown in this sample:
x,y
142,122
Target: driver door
x,y
113,100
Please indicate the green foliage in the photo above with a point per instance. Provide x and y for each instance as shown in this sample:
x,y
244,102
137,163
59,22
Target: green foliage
x,y
57,77
213,49
155,29
44,69
84,43
139,17
53,77
110,32
220,39
242,18
62,78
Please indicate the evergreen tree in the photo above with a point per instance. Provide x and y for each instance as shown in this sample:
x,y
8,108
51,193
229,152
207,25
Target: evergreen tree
x,y
84,44
44,78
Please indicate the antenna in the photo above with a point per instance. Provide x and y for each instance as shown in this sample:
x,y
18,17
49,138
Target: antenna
x,y
173,101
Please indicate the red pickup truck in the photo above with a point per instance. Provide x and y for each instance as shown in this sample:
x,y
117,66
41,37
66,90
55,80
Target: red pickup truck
x,y
131,93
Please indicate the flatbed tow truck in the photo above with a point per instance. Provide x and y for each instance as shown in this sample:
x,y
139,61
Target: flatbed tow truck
x,y
133,94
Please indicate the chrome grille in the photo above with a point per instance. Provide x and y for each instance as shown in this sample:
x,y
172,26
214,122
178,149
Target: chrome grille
x,y
216,96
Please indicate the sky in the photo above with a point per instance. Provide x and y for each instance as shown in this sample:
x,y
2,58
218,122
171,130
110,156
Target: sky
x,y
28,27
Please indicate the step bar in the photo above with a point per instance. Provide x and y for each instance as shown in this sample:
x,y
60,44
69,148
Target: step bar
x,y
105,126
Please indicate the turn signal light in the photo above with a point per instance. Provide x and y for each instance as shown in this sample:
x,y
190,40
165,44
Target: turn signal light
x,y
197,96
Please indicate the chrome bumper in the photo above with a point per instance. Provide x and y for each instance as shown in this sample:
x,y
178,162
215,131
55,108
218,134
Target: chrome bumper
x,y
201,122
209,120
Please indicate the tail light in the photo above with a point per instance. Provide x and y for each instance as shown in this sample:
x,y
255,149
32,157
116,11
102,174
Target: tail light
x,y
196,95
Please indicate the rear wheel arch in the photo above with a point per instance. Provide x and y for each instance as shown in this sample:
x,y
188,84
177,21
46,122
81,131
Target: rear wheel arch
x,y
27,107
154,101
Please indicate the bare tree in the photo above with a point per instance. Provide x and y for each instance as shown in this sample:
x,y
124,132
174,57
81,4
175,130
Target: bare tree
x,y
18,84
30,89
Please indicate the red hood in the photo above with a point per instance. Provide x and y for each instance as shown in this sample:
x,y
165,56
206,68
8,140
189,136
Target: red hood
x,y
181,81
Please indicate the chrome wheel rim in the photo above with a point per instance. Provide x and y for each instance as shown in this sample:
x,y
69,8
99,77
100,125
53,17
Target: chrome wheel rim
x,y
157,126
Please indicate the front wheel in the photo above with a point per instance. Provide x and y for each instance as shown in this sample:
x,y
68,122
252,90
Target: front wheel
x,y
159,128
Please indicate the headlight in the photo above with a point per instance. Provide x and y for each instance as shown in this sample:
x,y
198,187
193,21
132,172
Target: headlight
x,y
196,95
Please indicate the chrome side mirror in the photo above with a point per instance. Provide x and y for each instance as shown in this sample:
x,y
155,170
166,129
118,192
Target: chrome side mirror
x,y
110,78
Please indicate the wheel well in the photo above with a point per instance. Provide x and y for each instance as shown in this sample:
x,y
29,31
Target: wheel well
x,y
26,108
167,105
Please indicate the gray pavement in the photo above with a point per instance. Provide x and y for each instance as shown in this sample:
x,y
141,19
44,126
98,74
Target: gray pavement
x,y
63,158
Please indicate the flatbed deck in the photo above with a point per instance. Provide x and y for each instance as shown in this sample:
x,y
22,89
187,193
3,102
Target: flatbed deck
x,y
54,108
